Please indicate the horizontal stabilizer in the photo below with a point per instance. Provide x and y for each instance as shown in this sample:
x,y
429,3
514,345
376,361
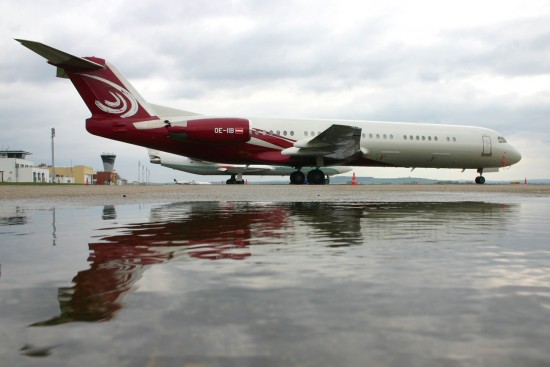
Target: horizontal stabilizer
x,y
60,58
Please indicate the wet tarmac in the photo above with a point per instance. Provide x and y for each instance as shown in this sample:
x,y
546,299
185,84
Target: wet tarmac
x,y
71,195
401,279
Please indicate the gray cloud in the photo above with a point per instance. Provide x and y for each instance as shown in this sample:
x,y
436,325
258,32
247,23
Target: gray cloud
x,y
346,59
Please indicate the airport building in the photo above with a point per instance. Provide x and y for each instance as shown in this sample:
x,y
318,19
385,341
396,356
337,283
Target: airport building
x,y
78,174
109,175
107,178
15,167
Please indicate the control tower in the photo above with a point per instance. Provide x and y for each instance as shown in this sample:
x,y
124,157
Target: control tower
x,y
108,161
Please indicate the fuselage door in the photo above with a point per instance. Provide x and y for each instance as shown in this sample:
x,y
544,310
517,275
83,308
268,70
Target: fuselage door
x,y
487,149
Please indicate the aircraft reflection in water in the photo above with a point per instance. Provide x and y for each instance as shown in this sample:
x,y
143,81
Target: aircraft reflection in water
x,y
229,230
200,230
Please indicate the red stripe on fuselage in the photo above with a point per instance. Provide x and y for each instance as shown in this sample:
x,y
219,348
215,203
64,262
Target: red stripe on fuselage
x,y
239,153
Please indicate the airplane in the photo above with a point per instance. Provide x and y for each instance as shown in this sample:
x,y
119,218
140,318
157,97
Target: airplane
x,y
120,113
192,182
236,171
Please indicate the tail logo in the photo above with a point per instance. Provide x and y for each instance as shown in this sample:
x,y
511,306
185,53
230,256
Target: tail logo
x,y
124,103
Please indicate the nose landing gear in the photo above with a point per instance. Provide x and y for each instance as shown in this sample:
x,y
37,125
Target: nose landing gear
x,y
480,180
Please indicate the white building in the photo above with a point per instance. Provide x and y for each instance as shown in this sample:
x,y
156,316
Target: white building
x,y
14,167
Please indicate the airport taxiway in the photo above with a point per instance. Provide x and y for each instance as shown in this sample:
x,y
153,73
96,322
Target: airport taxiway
x,y
131,194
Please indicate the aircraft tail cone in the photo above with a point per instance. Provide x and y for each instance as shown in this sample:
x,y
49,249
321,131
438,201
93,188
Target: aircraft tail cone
x,y
354,179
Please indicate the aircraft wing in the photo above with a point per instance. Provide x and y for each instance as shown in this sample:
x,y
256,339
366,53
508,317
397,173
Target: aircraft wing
x,y
338,142
249,169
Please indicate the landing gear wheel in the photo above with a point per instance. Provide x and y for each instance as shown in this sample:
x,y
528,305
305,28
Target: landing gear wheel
x,y
480,180
297,178
316,177
232,180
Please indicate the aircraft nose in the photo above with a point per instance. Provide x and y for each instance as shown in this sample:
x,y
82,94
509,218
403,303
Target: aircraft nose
x,y
514,156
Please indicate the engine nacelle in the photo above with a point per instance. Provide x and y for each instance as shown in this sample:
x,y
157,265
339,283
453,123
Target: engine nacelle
x,y
212,130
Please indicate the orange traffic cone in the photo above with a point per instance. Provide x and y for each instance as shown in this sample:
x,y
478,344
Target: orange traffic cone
x,y
353,179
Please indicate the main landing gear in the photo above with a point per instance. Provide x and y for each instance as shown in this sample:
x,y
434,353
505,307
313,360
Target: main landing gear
x,y
235,181
314,177
480,180
297,178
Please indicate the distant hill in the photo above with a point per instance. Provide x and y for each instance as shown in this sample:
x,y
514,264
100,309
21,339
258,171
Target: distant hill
x,y
340,180
425,181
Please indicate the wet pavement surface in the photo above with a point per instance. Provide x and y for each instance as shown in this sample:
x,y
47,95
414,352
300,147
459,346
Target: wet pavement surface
x,y
457,280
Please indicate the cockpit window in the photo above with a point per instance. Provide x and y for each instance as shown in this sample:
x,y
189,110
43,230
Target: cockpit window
x,y
501,139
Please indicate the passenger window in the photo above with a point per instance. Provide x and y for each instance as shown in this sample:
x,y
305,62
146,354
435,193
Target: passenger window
x,y
404,137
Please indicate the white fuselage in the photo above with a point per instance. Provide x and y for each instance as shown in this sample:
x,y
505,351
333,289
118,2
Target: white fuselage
x,y
405,144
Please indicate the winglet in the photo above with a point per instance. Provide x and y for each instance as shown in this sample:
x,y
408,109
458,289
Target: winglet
x,y
59,58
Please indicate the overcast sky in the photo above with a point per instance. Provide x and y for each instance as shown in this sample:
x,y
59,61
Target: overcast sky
x,y
484,63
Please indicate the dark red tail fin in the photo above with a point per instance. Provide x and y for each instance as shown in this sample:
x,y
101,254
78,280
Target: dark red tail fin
x,y
105,91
